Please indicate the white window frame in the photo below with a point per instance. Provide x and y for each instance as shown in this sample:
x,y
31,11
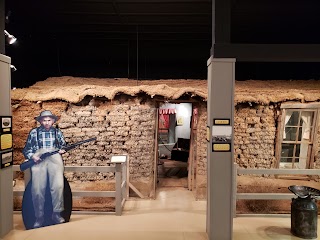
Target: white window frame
x,y
313,107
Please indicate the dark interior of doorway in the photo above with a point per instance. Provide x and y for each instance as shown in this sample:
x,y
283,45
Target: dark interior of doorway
x,y
174,144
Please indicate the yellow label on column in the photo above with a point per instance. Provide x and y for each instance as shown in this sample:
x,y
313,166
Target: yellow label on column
x,y
221,121
221,147
6,141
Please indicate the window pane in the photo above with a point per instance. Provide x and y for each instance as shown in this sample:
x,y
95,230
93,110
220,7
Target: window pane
x,y
298,126
286,160
300,134
287,150
292,118
297,150
290,134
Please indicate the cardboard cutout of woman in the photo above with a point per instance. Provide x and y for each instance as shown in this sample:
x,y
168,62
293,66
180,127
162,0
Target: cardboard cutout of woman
x,y
48,171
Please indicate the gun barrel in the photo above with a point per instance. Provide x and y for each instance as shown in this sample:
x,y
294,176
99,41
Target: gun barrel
x,y
71,146
30,163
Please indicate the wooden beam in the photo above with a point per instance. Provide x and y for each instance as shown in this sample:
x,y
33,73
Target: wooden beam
x,y
260,171
264,196
268,52
94,193
136,190
300,105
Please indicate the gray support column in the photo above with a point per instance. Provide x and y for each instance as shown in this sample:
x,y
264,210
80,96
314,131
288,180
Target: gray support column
x,y
2,21
6,176
221,75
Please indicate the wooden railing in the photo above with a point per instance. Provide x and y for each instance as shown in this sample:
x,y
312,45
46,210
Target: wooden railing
x,y
265,196
120,194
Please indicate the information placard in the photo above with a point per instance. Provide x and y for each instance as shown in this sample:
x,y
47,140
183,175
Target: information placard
x,y
221,135
5,133
6,158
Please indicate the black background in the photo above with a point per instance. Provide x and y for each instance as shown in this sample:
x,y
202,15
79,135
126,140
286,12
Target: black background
x,y
150,39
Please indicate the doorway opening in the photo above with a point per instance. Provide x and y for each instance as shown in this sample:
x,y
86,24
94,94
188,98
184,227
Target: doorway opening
x,y
175,156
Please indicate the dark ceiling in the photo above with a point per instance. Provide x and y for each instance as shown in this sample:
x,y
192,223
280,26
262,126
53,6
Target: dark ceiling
x,y
147,39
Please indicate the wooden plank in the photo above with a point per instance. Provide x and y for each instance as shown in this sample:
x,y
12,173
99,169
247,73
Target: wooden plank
x,y
190,160
265,196
156,154
79,168
279,137
300,105
315,136
136,190
279,171
92,213
191,156
118,189
119,184
94,193
123,190
296,142
127,177
123,202
89,169
123,168
174,164
80,212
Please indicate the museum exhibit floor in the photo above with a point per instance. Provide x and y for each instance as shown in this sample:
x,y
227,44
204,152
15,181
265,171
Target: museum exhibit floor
x,y
174,215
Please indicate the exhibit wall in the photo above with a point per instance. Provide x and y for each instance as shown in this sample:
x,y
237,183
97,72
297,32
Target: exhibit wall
x,y
122,115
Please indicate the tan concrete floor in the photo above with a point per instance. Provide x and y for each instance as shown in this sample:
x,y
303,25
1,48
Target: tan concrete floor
x,y
174,215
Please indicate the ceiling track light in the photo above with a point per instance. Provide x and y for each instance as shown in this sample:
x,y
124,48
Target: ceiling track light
x,y
13,68
12,39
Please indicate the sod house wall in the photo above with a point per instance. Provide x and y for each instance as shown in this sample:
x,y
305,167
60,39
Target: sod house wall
x,y
126,124
121,127
254,140
255,131
254,136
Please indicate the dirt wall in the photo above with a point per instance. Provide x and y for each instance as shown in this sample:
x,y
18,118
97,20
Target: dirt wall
x,y
122,126
126,125
201,154
254,136
255,130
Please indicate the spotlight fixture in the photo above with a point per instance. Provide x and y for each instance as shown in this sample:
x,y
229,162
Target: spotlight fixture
x,y
11,38
13,68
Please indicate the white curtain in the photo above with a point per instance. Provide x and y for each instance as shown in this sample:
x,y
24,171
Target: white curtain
x,y
305,138
306,118
286,120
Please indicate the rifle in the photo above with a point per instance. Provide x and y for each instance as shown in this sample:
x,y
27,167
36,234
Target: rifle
x,y
29,163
